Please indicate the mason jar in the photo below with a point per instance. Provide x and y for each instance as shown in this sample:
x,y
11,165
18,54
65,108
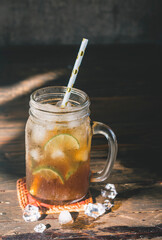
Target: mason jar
x,y
58,145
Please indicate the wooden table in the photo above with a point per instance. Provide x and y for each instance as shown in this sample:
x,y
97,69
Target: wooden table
x,y
123,83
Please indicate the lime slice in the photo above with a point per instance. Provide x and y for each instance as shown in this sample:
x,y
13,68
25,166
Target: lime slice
x,y
49,173
72,170
62,142
35,185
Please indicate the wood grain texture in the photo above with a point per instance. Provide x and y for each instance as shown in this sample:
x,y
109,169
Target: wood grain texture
x,y
125,95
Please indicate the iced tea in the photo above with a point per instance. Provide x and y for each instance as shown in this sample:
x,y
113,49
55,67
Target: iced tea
x,y
58,158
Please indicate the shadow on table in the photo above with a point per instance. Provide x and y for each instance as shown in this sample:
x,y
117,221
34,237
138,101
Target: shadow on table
x,y
115,232
14,107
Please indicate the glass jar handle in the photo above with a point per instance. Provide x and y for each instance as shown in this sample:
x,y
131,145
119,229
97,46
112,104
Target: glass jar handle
x,y
100,128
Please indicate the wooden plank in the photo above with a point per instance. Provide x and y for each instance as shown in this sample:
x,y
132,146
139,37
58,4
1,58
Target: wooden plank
x,y
134,208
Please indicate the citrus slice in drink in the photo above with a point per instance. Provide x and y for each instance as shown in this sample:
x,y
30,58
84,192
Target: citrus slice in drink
x,y
35,185
62,142
71,170
49,173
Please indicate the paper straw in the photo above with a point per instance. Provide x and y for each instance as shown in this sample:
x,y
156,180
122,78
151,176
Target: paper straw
x,y
74,72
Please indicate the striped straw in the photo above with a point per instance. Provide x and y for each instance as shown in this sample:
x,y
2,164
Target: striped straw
x,y
74,72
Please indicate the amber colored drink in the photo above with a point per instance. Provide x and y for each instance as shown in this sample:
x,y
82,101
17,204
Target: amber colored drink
x,y
58,158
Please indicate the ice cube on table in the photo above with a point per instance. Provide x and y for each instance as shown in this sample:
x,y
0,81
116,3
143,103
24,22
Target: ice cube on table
x,y
38,133
107,204
110,186
94,210
104,193
109,191
31,213
40,228
112,194
65,217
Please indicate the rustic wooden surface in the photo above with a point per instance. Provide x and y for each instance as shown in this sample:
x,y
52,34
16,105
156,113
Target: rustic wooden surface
x,y
123,83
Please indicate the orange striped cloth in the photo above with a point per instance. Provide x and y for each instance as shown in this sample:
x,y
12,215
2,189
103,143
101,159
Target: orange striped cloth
x,y
25,198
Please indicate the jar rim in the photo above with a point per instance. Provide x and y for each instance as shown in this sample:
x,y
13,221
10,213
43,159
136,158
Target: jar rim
x,y
37,104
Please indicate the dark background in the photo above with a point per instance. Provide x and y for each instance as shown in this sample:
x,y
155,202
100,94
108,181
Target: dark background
x,y
50,22
121,70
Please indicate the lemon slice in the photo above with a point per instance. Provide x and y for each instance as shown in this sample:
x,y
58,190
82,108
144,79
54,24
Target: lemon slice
x,y
49,173
62,142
